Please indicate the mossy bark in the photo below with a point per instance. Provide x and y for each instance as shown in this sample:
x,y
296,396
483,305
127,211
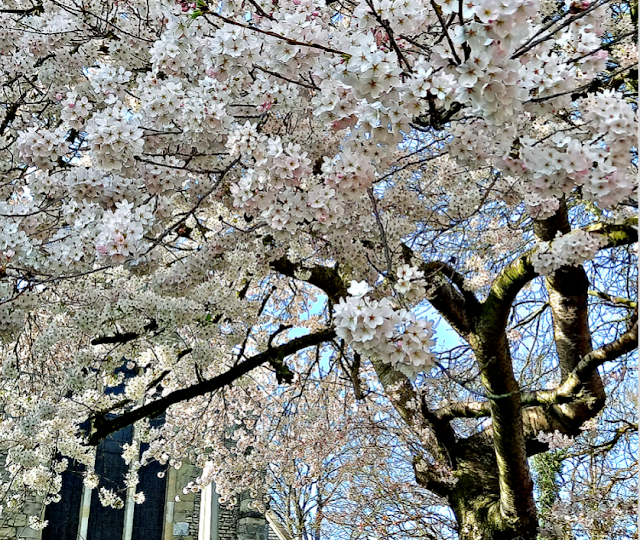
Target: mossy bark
x,y
475,497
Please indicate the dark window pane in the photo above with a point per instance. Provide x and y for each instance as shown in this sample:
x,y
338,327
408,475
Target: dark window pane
x,y
108,523
64,516
148,517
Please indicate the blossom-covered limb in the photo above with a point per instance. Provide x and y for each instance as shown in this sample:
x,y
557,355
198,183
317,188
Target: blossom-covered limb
x,y
103,426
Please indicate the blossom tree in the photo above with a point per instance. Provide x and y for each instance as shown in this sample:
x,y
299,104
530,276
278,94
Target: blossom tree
x,y
225,197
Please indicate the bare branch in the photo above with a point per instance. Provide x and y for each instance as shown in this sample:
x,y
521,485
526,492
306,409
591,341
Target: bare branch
x,y
582,372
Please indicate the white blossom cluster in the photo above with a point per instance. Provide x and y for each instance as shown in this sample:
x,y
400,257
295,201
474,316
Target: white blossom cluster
x,y
616,513
42,147
110,499
570,249
13,309
377,328
410,283
540,207
37,524
134,119
91,479
123,231
109,80
480,277
75,109
115,138
42,480
556,440
564,163
130,452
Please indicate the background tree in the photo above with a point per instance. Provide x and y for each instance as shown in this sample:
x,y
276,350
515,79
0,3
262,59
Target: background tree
x,y
199,191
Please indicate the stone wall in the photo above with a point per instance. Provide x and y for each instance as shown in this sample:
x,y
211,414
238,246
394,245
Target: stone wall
x,y
227,523
14,526
182,515
252,524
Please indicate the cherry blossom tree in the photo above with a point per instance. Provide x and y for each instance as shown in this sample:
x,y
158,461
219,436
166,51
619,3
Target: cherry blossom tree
x,y
430,200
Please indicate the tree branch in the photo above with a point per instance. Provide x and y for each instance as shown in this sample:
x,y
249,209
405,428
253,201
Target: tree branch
x,y
124,337
454,304
325,278
506,287
616,234
272,34
416,415
582,373
567,392
615,300
102,427
517,274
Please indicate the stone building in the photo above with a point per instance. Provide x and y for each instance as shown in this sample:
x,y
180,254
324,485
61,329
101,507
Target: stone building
x,y
196,516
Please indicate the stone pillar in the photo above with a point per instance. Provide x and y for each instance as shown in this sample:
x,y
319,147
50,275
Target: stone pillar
x,y
129,503
85,508
129,507
182,515
169,504
227,523
204,529
215,514
252,525
209,514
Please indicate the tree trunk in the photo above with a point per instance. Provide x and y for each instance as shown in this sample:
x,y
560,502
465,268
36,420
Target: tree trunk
x,y
475,498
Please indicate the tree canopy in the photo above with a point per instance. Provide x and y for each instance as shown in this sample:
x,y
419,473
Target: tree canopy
x,y
376,254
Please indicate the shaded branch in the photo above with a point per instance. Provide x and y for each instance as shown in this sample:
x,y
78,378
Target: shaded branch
x,y
124,337
37,9
428,477
325,278
455,304
415,413
455,277
102,427
617,300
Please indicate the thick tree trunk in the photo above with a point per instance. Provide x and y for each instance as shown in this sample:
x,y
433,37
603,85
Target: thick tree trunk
x,y
568,298
493,496
475,498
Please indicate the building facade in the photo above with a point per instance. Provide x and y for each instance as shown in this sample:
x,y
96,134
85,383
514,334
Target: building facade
x,y
166,513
